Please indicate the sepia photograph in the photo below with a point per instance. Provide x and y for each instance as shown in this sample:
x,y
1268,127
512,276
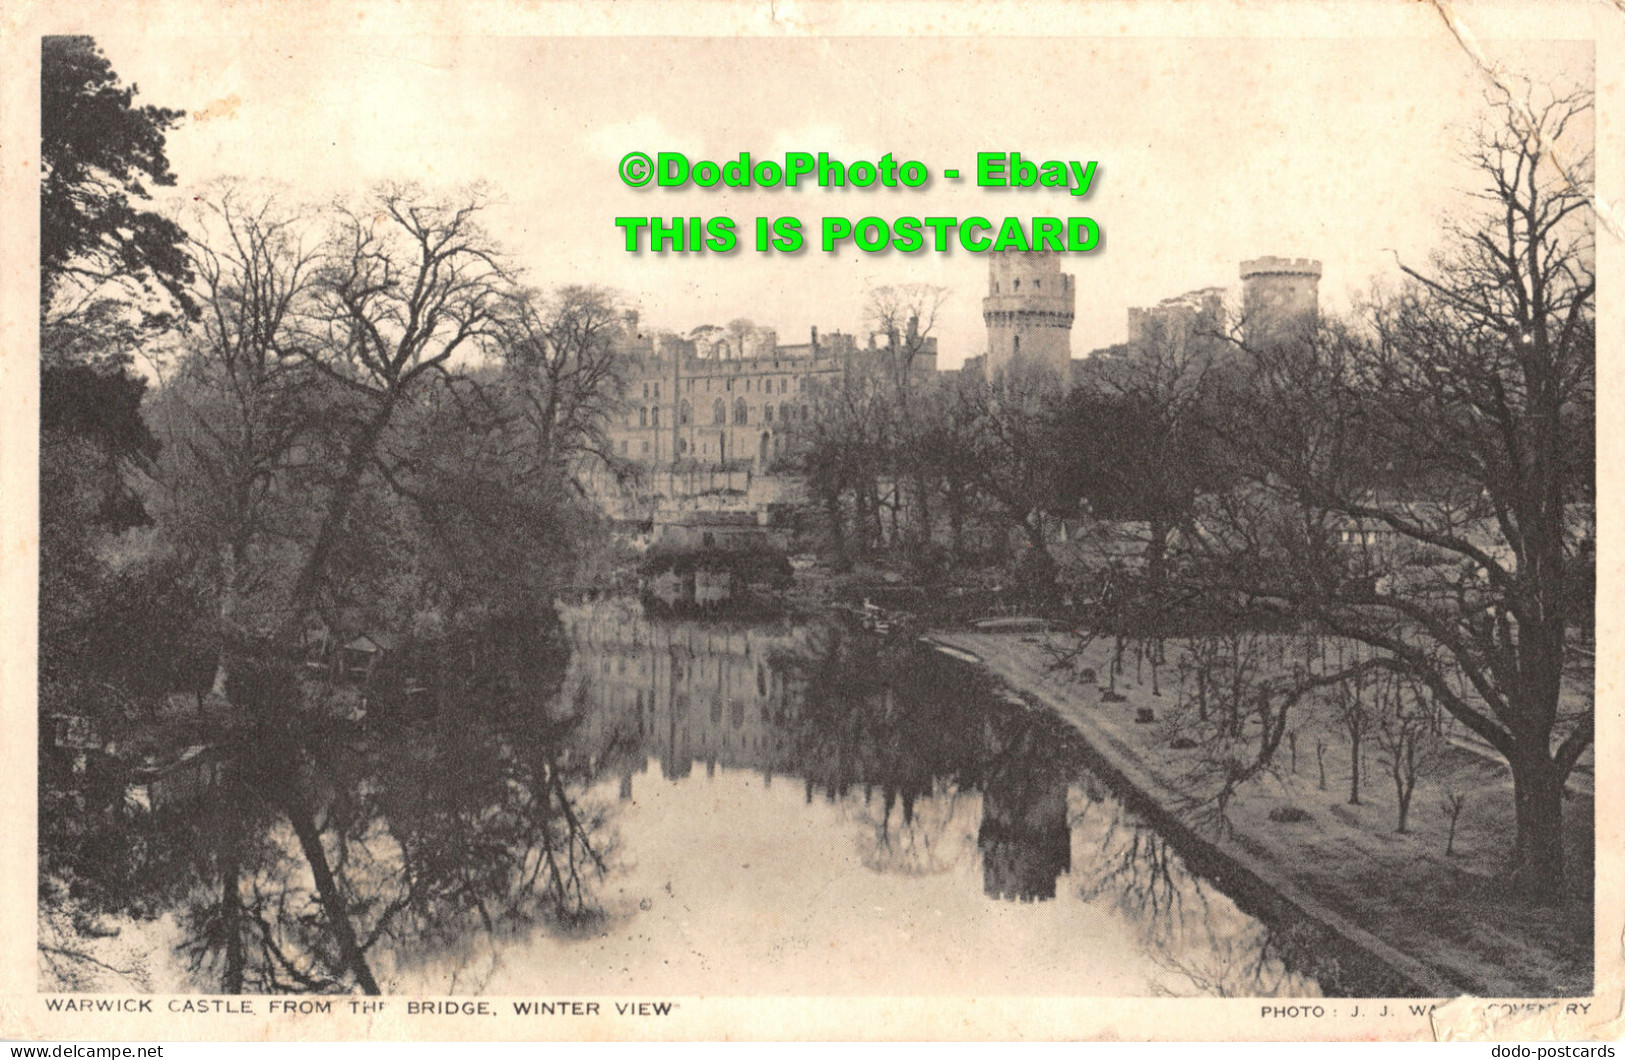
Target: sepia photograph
x,y
567,517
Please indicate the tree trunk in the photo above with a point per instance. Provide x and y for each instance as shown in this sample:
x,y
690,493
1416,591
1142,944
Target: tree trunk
x,y
837,529
922,511
1354,771
306,585
227,613
1405,776
1156,553
1538,795
956,518
338,915
860,520
231,910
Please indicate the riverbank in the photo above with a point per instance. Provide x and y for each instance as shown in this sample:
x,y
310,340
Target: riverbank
x,y
1447,924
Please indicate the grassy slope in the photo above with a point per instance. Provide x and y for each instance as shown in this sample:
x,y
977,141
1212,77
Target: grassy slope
x,y
1452,914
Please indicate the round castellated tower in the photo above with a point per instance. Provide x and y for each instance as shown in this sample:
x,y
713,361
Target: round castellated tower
x,y
1280,297
1028,311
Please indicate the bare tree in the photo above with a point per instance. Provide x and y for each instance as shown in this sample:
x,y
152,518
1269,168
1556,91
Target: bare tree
x,y
407,285
238,407
1428,485
1016,451
1454,803
566,373
1134,446
1404,732
843,449
1354,715
906,314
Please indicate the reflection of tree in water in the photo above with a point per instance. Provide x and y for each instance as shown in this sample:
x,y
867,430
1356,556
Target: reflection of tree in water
x,y
911,837
1243,964
873,718
919,730
1136,869
250,925
455,814
1208,946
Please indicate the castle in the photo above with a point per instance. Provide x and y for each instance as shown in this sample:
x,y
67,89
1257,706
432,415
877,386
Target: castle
x,y
1280,300
712,421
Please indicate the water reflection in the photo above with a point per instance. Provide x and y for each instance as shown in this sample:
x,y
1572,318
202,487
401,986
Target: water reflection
x,y
324,854
1025,841
526,811
932,767
1191,930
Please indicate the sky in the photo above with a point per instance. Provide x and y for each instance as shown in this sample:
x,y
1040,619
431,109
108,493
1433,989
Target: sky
x,y
1210,151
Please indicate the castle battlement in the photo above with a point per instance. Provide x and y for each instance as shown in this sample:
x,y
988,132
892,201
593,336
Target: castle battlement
x,y
1028,311
1272,266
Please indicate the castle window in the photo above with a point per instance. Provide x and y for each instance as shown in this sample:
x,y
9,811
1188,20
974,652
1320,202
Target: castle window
x,y
645,448
1036,283
657,391
682,446
729,385
643,416
654,416
765,443
646,391
685,414
1017,286
741,412
767,413
719,412
1018,344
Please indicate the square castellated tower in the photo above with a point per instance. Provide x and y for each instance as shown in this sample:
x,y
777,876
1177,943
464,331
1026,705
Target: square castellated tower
x,y
1028,311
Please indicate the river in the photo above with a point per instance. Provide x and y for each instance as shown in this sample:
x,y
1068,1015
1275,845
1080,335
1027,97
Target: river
x,y
697,808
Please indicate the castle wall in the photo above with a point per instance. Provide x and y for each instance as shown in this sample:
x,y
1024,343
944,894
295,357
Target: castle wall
x,y
1175,321
1280,300
710,428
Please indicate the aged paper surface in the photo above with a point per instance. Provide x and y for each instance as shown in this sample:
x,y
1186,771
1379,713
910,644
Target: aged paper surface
x,y
1260,136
